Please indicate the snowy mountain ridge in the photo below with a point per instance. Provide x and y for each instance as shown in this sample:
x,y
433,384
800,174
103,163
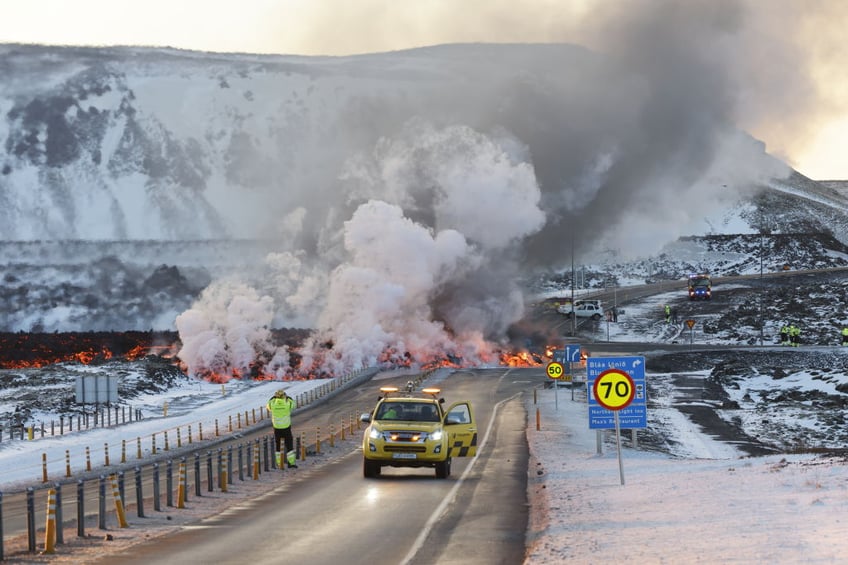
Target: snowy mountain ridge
x,y
391,201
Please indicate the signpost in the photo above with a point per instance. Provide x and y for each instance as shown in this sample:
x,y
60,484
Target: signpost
x,y
691,324
555,371
617,389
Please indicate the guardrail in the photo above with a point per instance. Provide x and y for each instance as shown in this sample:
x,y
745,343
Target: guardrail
x,y
100,418
222,466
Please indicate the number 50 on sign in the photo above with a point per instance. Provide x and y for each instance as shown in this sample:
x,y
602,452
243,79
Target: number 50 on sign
x,y
555,370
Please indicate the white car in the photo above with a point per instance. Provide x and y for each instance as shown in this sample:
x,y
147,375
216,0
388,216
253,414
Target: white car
x,y
583,309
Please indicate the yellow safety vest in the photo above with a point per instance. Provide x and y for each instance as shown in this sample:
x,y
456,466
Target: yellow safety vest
x,y
281,410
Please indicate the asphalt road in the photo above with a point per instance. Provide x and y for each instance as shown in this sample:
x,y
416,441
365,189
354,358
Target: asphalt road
x,y
332,515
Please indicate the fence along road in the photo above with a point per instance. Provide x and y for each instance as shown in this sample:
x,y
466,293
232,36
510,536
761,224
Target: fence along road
x,y
24,509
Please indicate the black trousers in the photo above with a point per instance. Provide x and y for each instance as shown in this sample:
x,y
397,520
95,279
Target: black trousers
x,y
285,435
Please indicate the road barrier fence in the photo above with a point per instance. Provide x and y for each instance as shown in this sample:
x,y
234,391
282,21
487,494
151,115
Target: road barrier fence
x,y
251,458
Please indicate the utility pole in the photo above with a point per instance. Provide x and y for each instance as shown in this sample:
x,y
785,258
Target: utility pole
x,y
573,308
762,253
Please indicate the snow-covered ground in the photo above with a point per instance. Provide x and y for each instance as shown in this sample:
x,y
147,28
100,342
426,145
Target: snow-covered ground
x,y
716,507
696,500
194,403
704,502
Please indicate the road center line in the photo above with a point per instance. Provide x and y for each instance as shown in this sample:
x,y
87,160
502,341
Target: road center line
x,y
451,495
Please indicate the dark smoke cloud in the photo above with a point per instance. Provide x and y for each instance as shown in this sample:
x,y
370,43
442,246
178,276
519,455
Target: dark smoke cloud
x,y
426,210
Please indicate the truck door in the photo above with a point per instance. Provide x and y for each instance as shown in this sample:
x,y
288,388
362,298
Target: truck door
x,y
461,429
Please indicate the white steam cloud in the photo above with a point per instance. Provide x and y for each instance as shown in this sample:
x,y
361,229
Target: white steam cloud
x,y
408,221
402,292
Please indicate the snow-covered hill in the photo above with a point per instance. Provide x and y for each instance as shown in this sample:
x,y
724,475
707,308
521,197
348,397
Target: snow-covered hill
x,y
401,204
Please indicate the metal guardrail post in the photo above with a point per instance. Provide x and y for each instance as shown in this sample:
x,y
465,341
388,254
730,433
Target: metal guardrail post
x,y
256,467
101,510
184,476
230,464
196,473
60,536
209,471
240,461
169,483
30,504
139,496
157,499
265,453
80,508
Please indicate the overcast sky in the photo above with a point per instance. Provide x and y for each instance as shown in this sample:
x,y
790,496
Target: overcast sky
x,y
789,55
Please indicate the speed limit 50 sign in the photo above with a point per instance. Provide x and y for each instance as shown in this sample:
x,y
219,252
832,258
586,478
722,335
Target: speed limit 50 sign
x,y
555,370
616,385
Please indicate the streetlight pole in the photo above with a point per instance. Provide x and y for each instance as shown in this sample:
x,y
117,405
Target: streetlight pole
x,y
573,308
762,252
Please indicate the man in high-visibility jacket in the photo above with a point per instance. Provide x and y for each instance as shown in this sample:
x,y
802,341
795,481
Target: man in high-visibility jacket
x,y
784,335
281,407
844,336
794,335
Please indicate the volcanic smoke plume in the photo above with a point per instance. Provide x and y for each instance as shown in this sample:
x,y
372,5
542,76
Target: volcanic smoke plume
x,y
411,236
395,204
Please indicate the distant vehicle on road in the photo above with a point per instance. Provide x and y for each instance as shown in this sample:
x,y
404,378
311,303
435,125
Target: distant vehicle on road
x,y
583,309
700,287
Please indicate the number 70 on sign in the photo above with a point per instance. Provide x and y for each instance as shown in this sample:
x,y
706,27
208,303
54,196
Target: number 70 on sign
x,y
614,389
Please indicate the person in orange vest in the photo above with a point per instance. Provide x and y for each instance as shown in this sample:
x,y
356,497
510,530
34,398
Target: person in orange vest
x,y
281,407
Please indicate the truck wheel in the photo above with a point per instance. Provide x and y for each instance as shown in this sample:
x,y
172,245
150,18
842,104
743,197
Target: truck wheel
x,y
370,469
596,317
443,469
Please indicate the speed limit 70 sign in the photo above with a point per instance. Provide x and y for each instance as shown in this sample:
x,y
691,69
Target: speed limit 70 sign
x,y
616,385
614,389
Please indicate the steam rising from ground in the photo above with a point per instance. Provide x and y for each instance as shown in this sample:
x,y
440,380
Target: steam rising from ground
x,y
403,292
431,220
427,228
409,194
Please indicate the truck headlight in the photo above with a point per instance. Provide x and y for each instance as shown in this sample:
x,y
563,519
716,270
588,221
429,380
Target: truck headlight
x,y
436,436
374,433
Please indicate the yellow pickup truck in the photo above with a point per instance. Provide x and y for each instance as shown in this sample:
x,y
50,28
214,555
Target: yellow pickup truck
x,y
412,429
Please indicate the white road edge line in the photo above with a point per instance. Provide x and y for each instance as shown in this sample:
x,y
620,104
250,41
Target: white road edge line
x,y
451,496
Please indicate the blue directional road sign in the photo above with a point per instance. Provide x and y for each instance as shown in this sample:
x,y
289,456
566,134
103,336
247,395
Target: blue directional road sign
x,y
635,415
559,356
572,353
